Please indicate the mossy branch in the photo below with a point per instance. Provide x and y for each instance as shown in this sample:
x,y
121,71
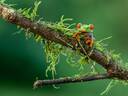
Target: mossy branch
x,y
112,68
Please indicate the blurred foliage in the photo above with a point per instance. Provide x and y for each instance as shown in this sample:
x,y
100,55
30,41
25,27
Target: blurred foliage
x,y
24,60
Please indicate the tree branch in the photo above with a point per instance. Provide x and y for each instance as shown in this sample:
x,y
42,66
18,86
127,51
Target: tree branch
x,y
40,83
111,66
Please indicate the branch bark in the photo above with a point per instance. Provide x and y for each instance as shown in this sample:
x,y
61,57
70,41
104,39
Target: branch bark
x,y
40,83
111,66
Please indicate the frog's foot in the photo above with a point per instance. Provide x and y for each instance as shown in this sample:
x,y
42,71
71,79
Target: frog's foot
x,y
89,43
75,45
77,36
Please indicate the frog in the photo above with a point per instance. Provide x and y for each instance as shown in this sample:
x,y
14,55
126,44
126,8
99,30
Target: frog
x,y
85,32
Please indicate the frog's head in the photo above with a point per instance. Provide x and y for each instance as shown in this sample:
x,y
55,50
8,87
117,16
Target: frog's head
x,y
85,27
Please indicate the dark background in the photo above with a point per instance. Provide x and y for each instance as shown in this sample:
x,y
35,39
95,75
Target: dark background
x,y
21,60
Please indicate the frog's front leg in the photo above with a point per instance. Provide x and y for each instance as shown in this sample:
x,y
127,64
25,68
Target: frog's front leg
x,y
77,36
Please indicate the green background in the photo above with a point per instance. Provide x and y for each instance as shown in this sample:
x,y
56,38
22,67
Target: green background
x,y
21,60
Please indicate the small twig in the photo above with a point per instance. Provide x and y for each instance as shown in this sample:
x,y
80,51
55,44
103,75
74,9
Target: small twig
x,y
40,83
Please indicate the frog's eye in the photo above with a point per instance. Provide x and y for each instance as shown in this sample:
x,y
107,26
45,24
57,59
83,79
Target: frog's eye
x,y
91,26
78,25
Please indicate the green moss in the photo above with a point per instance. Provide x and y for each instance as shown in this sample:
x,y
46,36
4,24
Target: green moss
x,y
31,13
2,1
53,52
100,45
63,26
112,84
108,88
